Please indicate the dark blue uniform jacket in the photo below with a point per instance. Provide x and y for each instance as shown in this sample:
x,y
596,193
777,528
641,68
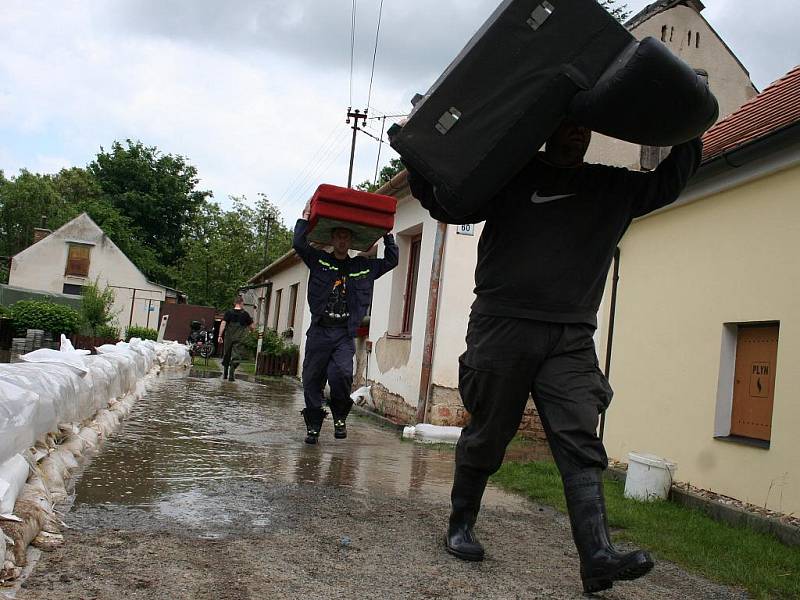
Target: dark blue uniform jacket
x,y
361,273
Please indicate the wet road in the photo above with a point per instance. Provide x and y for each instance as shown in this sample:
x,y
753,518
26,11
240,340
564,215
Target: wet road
x,y
210,492
185,446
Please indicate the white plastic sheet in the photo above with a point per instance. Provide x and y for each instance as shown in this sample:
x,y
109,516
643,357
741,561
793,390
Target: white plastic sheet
x,y
13,475
18,413
49,356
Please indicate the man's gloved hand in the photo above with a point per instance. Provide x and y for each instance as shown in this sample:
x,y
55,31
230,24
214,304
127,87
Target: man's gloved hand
x,y
388,239
307,210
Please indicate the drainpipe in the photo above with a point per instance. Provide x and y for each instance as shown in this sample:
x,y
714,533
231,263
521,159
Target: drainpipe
x,y
610,340
430,324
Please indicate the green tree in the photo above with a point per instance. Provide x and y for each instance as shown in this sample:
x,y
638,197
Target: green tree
x,y
385,175
158,192
225,248
620,12
27,201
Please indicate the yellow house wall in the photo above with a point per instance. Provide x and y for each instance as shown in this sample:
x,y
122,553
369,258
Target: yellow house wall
x,y
728,258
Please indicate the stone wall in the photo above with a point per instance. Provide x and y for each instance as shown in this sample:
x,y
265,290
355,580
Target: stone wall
x,y
392,406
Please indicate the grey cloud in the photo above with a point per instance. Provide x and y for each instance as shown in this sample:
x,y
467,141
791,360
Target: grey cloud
x,y
418,38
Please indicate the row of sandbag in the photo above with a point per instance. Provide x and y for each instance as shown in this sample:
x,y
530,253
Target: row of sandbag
x,y
51,387
54,408
48,467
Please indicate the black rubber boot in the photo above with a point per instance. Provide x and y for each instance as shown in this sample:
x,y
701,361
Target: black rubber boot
x,y
231,369
468,486
313,418
601,563
339,419
225,371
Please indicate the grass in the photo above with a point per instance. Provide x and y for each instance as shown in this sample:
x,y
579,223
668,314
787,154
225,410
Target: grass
x,y
247,367
734,556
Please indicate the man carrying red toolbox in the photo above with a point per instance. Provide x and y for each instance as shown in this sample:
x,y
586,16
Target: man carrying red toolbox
x,y
547,244
339,295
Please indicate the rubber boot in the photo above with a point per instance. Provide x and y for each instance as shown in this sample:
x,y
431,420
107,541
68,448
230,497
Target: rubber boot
x,y
224,371
231,369
601,563
468,486
340,418
313,418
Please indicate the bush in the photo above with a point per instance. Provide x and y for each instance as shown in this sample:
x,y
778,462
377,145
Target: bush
x,y
275,344
134,331
42,314
96,307
107,331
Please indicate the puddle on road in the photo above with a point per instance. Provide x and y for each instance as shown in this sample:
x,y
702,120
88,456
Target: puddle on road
x,y
190,436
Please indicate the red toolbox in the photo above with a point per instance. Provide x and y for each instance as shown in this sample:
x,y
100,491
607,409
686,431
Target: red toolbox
x,y
368,216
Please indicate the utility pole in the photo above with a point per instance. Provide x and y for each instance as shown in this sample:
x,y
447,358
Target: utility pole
x,y
356,115
270,218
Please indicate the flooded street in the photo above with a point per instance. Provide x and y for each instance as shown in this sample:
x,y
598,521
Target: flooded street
x,y
208,491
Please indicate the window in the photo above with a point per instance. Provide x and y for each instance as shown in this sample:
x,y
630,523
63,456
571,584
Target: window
x,y
746,393
292,304
412,274
78,260
277,309
671,31
689,39
71,288
663,33
697,40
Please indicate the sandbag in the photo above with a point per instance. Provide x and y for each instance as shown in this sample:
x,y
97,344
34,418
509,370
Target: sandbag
x,y
13,475
18,419
50,356
647,96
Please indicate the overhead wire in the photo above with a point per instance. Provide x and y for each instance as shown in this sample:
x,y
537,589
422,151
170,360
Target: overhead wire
x,y
352,47
321,149
374,55
333,153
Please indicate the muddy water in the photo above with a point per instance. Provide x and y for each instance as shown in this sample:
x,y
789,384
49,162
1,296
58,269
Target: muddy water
x,y
203,453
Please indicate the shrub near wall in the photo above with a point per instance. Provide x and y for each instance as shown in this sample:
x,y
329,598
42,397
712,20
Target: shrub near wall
x,y
41,314
134,331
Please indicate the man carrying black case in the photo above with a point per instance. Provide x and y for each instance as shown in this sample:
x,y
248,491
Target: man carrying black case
x,y
547,244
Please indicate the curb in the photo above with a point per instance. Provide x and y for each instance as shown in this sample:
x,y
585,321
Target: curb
x,y
723,513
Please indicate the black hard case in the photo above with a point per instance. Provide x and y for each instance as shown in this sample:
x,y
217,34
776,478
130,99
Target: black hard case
x,y
504,94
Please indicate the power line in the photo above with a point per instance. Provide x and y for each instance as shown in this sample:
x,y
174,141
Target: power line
x,y
352,47
324,162
324,147
374,55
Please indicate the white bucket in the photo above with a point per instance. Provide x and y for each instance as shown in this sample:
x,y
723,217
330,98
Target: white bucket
x,y
649,477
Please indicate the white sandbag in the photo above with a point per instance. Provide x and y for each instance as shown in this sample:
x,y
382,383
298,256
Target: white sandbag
x,y
13,475
90,436
24,531
18,416
66,457
54,474
34,496
432,434
363,397
50,356
66,346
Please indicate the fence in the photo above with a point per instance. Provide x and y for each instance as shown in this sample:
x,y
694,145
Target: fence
x,y
277,366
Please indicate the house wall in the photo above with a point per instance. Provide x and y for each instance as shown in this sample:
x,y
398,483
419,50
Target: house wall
x,y
728,79
685,274
42,267
283,280
395,360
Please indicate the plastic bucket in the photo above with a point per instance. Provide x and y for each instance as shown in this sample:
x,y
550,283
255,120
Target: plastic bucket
x,y
649,477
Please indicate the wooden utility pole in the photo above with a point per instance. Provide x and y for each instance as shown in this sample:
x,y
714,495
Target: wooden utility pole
x,y
355,115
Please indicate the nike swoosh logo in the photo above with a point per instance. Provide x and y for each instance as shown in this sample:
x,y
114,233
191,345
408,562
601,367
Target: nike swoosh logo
x,y
537,199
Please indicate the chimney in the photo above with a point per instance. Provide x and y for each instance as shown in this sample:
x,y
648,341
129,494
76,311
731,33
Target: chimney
x,y
39,233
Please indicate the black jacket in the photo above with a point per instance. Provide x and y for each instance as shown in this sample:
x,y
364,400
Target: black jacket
x,y
361,273
550,234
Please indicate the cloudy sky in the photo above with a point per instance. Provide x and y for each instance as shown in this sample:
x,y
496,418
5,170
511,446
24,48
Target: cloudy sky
x,y
254,92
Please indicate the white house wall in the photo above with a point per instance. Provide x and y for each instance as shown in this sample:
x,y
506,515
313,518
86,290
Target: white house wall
x,y
42,267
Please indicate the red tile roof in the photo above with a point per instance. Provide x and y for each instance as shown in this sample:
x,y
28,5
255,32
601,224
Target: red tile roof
x,y
778,106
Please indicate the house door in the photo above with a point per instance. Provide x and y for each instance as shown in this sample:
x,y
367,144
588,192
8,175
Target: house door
x,y
754,381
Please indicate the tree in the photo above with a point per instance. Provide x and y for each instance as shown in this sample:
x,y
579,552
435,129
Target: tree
x,y
27,201
385,176
620,13
223,249
158,192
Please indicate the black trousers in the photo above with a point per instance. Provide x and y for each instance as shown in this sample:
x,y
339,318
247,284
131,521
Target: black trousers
x,y
328,357
506,361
